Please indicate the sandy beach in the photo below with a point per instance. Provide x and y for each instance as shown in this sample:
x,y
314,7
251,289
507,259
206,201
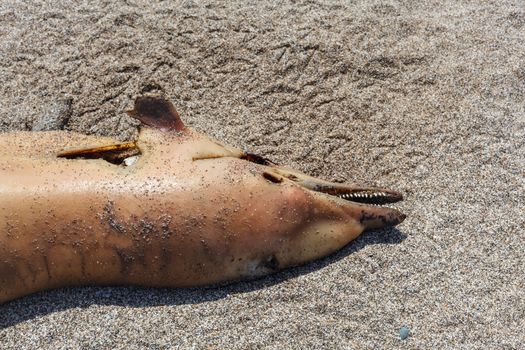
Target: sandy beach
x,y
426,97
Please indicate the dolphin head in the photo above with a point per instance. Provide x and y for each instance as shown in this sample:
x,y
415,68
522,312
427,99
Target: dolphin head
x,y
311,218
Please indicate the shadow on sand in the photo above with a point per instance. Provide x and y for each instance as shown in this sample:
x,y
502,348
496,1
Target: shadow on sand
x,y
48,302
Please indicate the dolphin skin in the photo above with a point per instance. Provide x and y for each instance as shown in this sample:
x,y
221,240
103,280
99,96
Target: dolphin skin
x,y
174,208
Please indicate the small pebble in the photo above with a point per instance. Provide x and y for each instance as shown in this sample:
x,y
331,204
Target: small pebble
x,y
403,332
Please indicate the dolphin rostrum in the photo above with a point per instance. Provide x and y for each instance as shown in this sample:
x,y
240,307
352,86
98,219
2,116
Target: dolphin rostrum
x,y
175,208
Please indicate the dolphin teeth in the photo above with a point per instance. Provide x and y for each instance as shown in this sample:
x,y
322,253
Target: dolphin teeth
x,y
374,199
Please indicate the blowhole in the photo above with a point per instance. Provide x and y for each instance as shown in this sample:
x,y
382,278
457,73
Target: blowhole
x,y
255,158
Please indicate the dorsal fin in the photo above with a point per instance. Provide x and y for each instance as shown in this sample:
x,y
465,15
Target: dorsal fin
x,y
157,112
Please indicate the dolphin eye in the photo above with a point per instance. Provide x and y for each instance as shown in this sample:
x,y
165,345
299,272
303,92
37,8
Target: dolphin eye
x,y
272,178
254,158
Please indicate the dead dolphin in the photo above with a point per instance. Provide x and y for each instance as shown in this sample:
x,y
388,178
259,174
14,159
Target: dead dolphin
x,y
174,209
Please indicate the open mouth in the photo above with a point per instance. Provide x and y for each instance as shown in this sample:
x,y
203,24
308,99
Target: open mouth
x,y
369,205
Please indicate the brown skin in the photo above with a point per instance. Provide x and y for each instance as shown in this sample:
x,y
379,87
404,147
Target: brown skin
x,y
189,212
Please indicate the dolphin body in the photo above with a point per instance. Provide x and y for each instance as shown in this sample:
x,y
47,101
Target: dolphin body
x,y
173,209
